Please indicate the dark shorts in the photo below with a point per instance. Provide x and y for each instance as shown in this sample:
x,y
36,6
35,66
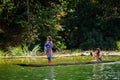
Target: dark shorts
x,y
49,56
99,59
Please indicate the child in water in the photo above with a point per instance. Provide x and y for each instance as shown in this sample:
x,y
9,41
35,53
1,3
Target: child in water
x,y
48,48
98,55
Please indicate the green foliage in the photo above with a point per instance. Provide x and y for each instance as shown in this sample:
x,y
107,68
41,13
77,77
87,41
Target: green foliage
x,y
60,46
2,53
75,51
16,51
35,50
23,50
31,21
94,23
84,24
118,45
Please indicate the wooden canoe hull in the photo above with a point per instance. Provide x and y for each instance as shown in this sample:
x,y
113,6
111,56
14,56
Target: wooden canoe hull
x,y
62,64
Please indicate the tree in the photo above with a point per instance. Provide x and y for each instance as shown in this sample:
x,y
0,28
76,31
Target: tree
x,y
89,25
28,21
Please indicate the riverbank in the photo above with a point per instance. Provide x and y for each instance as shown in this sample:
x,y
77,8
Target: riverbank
x,y
60,54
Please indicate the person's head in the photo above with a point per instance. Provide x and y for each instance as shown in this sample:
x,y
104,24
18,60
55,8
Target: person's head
x,y
98,50
49,38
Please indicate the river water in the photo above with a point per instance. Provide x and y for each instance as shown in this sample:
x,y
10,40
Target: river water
x,y
102,71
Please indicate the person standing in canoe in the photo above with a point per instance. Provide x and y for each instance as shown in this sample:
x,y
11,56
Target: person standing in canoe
x,y
48,48
98,55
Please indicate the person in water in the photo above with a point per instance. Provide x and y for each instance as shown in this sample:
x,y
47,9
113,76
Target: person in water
x,y
48,48
98,55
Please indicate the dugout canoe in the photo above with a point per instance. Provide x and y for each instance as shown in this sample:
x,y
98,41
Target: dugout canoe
x,y
62,64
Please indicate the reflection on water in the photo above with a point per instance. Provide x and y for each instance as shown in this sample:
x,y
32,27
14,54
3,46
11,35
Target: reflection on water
x,y
50,75
97,72
112,71
106,71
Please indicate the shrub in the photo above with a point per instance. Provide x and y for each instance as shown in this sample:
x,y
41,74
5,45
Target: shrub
x,y
118,45
2,53
15,51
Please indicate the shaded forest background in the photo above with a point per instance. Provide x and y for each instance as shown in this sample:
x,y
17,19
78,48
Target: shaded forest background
x,y
73,24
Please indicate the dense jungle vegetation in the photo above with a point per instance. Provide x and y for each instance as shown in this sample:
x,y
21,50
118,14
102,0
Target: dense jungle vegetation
x,y
73,24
